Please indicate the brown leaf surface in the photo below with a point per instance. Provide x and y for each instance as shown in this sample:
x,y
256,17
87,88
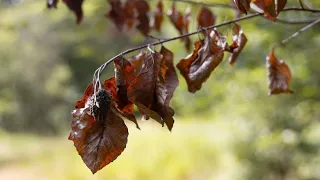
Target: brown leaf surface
x,y
98,134
181,23
143,9
158,16
271,8
206,18
197,67
117,13
239,41
141,89
279,75
124,75
87,93
242,5
129,10
165,87
76,7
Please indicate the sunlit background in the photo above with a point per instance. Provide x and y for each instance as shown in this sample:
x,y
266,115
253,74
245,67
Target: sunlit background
x,y
230,129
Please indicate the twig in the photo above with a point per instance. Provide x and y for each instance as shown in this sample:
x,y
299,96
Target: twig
x,y
304,21
301,4
97,73
300,31
218,5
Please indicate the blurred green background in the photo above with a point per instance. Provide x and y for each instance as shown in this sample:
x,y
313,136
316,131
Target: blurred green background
x,y
231,129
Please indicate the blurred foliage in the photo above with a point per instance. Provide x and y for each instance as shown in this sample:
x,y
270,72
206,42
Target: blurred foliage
x,y
46,61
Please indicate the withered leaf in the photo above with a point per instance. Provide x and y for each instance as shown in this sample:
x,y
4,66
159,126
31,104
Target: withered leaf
x,y
76,7
158,16
279,75
143,9
98,134
141,89
206,18
52,3
239,41
117,13
181,23
124,74
242,5
166,86
197,67
271,8
129,10
87,94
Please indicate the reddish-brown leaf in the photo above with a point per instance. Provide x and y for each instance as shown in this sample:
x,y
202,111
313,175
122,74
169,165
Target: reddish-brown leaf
x,y
98,134
279,75
124,74
197,67
165,87
117,13
129,10
271,8
136,62
141,90
158,16
206,18
76,7
52,3
239,41
88,93
181,23
143,9
242,5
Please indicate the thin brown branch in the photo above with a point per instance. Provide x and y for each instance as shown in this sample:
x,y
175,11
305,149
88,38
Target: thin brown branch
x,y
217,5
304,21
301,4
98,72
300,31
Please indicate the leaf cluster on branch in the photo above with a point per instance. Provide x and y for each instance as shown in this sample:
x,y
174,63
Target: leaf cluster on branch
x,y
148,80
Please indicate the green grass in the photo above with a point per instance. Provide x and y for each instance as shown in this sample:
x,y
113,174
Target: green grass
x,y
197,150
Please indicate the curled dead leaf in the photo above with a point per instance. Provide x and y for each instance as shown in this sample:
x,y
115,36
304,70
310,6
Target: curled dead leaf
x,y
76,7
116,13
239,41
181,23
206,18
141,89
271,8
242,5
143,9
158,16
166,86
197,67
279,75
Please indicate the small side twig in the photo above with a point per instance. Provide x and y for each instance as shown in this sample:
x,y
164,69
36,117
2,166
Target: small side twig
x,y
300,31
301,4
217,5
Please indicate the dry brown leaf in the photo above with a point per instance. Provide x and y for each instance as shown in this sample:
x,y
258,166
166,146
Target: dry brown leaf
x,y
279,75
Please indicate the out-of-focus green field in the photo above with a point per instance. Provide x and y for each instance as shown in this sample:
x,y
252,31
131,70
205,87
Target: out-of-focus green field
x,y
196,150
